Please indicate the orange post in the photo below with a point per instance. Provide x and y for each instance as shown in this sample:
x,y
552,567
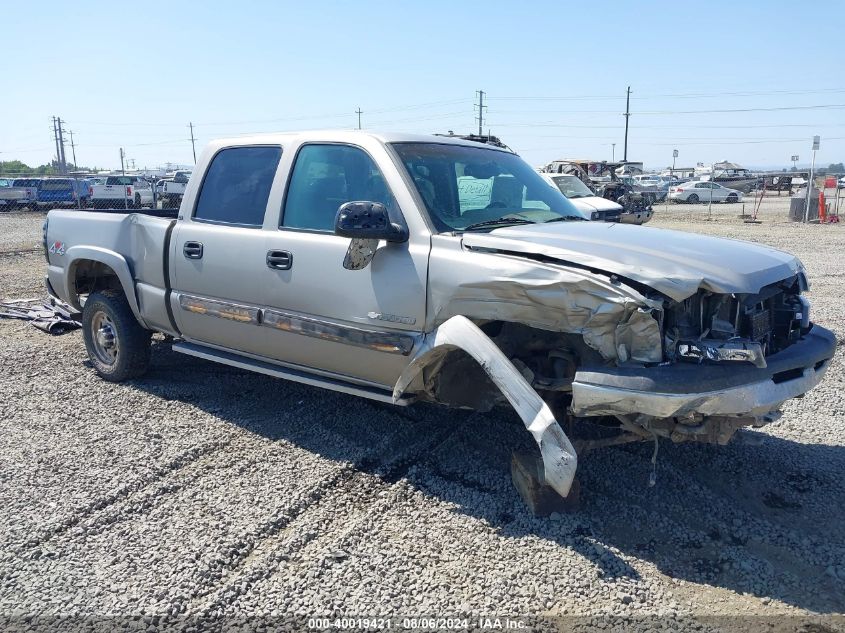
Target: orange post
x,y
822,214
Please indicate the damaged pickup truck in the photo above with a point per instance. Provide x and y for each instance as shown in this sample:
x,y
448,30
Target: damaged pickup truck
x,y
403,268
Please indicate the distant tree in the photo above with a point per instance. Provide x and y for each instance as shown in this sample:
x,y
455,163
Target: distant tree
x,y
836,168
17,167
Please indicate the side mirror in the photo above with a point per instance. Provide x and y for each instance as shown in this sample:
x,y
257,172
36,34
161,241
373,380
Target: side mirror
x,y
368,221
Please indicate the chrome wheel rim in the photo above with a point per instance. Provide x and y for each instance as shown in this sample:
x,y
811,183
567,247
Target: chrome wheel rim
x,y
104,338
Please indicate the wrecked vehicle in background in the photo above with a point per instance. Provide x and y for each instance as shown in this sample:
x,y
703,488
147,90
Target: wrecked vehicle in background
x,y
634,203
591,206
401,268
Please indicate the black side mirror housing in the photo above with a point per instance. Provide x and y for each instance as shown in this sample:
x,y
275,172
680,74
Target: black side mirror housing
x,y
368,221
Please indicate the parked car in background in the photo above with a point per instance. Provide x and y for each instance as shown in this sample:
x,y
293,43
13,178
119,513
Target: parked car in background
x,y
131,192
59,192
591,206
22,193
175,189
700,191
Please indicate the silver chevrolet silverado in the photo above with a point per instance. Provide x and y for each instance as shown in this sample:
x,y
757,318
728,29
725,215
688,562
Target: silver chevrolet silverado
x,y
401,268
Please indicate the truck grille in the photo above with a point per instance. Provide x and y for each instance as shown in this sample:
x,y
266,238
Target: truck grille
x,y
774,318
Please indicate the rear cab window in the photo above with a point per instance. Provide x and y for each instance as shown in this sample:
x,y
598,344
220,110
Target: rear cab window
x,y
57,185
237,185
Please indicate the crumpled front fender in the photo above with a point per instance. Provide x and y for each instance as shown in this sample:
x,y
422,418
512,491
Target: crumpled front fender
x,y
559,458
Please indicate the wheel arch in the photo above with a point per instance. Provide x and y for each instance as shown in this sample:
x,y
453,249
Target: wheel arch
x,y
92,268
459,333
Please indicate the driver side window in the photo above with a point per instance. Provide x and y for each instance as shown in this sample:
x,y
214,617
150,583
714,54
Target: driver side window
x,y
325,177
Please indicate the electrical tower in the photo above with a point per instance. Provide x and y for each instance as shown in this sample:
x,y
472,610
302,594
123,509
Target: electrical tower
x,y
58,132
481,107
73,150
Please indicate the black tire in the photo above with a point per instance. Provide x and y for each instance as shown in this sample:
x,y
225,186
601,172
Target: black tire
x,y
137,200
119,348
692,198
732,198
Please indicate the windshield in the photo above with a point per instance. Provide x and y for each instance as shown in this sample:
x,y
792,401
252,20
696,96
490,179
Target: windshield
x,y
463,186
27,182
572,187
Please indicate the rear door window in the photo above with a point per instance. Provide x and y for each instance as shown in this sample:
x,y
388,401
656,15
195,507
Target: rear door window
x,y
237,186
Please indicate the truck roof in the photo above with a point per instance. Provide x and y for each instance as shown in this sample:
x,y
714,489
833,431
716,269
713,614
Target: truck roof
x,y
346,136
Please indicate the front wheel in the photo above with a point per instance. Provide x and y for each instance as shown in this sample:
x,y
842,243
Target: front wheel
x,y
732,198
137,200
119,348
692,199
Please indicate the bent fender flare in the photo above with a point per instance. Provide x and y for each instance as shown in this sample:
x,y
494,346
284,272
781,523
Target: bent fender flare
x,y
559,458
115,261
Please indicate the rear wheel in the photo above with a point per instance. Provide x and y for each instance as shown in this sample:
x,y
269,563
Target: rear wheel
x,y
732,198
692,198
137,200
119,348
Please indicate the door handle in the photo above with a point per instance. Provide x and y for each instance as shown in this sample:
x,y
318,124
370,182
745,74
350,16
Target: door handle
x,y
280,260
192,250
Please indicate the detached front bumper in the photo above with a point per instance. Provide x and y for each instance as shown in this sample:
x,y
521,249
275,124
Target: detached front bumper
x,y
725,389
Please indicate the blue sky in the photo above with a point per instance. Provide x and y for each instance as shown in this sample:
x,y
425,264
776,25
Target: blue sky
x,y
555,75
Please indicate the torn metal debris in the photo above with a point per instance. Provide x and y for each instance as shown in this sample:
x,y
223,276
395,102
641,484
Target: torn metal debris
x,y
48,316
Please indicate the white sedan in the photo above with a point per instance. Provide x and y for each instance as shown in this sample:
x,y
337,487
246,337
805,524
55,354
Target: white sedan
x,y
703,191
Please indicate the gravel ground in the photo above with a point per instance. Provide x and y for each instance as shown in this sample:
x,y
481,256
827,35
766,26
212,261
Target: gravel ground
x,y
208,495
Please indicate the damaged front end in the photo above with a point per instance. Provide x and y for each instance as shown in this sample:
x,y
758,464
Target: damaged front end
x,y
731,360
563,342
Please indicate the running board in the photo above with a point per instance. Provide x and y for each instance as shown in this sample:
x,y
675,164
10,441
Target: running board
x,y
279,371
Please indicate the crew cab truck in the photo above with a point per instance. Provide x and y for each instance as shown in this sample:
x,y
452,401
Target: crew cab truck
x,y
126,192
371,264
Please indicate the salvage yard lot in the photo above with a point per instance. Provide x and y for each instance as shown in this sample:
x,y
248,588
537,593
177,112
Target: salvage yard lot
x,y
206,491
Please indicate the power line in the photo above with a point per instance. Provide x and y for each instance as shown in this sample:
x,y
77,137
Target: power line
x,y
684,95
665,112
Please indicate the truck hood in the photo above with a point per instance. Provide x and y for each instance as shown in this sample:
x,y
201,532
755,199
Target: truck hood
x,y
594,203
674,263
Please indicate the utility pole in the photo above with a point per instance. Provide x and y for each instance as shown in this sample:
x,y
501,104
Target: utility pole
x,y
816,141
359,112
481,107
627,116
62,160
613,152
73,149
56,138
193,145
122,169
